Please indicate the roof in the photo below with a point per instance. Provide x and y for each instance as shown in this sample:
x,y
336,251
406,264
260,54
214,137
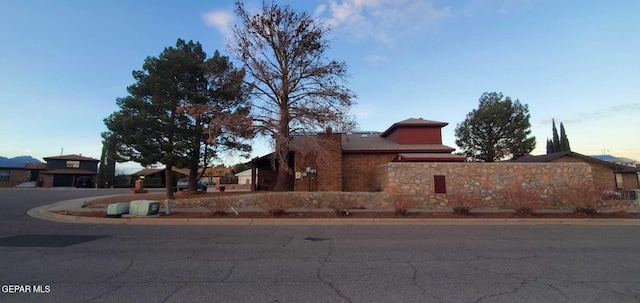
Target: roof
x,y
429,157
412,122
69,171
42,166
352,143
71,157
151,171
550,157
605,157
244,173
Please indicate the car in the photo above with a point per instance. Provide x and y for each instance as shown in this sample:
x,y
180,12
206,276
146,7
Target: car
x,y
183,184
84,181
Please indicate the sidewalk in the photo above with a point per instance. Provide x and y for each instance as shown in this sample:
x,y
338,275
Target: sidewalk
x,y
46,213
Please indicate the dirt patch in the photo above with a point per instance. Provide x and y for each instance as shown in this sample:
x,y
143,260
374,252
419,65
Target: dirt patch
x,y
104,202
374,214
361,213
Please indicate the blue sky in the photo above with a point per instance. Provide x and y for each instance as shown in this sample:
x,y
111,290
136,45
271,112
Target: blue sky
x,y
64,63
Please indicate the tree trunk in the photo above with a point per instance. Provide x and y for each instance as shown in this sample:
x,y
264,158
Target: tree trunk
x,y
168,176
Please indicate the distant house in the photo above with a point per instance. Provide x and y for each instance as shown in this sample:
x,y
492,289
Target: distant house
x,y
606,175
349,160
20,174
244,177
155,177
617,160
68,170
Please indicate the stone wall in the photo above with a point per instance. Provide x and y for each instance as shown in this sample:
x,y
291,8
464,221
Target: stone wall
x,y
493,184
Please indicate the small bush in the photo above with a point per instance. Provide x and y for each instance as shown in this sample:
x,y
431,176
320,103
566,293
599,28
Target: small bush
x,y
340,204
524,201
276,204
462,210
217,205
463,202
582,197
402,203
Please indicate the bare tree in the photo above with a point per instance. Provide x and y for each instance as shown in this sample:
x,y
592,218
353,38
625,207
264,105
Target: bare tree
x,y
295,88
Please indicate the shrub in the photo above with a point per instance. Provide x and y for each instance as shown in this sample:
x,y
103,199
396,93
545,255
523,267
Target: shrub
x,y
217,205
276,204
524,201
463,202
402,203
340,203
582,197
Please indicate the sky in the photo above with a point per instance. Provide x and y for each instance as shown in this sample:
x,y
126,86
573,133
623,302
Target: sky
x,y
64,63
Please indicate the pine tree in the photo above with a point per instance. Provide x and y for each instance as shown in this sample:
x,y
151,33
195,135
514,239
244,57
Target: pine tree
x,y
564,141
556,138
558,143
549,146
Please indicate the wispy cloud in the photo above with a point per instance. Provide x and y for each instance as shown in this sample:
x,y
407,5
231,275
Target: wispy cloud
x,y
376,58
385,21
220,20
601,113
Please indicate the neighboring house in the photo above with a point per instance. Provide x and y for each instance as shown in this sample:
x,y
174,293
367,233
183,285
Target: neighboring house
x,y
617,160
606,175
20,174
68,170
155,177
348,161
244,177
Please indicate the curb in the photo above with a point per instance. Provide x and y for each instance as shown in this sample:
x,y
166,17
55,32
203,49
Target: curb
x,y
43,213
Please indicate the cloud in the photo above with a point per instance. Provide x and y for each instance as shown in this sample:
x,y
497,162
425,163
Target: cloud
x,y
601,113
385,21
220,20
376,58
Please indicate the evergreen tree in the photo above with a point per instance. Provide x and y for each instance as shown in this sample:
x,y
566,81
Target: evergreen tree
x,y
498,128
549,146
564,141
558,143
556,138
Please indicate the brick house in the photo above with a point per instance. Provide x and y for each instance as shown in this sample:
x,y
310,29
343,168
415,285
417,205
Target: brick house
x,y
67,170
606,175
17,175
347,161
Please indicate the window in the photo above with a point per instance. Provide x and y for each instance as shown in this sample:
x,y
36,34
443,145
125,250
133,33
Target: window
x,y
619,181
73,164
5,175
440,184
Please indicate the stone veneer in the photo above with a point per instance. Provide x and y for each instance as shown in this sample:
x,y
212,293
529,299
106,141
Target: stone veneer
x,y
488,181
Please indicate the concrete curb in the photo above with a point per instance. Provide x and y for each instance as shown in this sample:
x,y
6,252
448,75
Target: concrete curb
x,y
43,213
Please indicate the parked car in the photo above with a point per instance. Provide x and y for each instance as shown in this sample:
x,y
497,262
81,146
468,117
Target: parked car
x,y
183,184
84,181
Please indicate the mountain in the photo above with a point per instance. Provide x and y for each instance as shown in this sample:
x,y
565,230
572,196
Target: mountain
x,y
17,162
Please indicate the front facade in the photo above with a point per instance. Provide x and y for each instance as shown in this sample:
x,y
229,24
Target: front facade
x,y
348,161
69,171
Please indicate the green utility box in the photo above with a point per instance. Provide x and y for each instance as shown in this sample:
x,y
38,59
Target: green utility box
x,y
144,207
117,210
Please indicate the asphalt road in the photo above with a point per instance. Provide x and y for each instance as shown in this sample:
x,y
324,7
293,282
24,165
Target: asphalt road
x,y
62,262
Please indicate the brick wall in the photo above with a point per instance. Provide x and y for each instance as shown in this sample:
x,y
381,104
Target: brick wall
x,y
630,181
359,171
325,155
18,176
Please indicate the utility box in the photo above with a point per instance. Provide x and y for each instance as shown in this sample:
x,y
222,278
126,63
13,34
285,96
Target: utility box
x,y
144,207
117,210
